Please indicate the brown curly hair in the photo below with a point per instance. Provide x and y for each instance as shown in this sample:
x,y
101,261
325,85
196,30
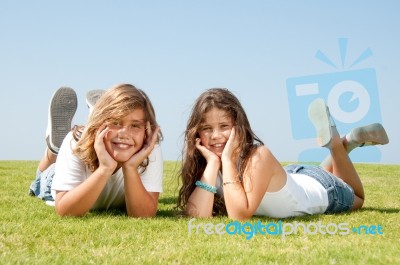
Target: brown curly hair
x,y
193,163
114,104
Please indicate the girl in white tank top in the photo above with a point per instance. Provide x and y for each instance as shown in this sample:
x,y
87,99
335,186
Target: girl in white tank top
x,y
226,168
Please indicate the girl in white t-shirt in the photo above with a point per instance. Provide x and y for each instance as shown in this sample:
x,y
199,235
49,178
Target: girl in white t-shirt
x,y
226,168
115,161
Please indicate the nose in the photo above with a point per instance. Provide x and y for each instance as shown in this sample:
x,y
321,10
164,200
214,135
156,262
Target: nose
x,y
123,129
216,134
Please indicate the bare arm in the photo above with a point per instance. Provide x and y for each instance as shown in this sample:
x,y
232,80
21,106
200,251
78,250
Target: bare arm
x,y
263,172
140,202
200,202
81,199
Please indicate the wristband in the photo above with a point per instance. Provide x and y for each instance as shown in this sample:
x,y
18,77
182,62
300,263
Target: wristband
x,y
206,187
232,182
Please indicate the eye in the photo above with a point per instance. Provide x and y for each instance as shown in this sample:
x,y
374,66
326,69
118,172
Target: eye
x,y
226,126
137,126
115,122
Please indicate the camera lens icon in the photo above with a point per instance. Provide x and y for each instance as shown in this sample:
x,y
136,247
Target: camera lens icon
x,y
352,98
353,101
349,101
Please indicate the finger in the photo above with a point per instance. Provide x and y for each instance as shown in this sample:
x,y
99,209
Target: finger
x,y
154,136
234,137
198,143
148,128
155,133
203,150
101,129
99,139
102,132
233,133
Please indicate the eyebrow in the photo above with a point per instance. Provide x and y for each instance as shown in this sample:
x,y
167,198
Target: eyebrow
x,y
203,124
132,121
141,121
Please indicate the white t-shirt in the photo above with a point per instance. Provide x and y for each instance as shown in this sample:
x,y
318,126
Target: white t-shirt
x,y
71,172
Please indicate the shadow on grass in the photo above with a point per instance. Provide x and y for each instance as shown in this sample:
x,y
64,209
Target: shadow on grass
x,y
304,218
381,210
122,212
170,203
168,213
168,200
110,212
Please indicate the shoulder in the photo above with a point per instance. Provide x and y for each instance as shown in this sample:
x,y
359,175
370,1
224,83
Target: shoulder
x,y
261,152
66,156
261,158
156,161
67,145
156,154
69,141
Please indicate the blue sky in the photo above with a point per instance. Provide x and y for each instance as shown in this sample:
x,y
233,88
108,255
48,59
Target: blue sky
x,y
174,50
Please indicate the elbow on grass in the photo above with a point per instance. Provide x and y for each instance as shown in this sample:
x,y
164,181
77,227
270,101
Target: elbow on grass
x,y
241,217
147,214
64,213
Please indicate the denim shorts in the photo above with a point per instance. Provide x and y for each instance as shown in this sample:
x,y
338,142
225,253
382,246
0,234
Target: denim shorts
x,y
340,194
41,186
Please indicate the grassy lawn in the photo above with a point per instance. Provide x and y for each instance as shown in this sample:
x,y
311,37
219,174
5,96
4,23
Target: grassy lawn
x,y
31,233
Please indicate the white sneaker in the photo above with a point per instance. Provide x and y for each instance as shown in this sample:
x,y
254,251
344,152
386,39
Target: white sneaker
x,y
319,115
62,109
92,96
50,203
371,134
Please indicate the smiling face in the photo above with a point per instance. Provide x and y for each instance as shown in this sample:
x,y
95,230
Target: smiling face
x,y
126,136
215,130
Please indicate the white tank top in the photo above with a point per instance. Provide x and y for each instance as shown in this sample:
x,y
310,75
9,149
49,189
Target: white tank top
x,y
301,195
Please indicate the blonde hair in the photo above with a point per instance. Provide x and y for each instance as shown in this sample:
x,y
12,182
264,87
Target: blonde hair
x,y
114,104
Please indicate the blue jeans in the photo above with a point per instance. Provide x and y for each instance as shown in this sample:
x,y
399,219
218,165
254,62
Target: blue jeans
x,y
340,194
41,186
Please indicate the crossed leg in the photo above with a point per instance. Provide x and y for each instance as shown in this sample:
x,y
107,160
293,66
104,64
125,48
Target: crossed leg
x,y
339,162
343,168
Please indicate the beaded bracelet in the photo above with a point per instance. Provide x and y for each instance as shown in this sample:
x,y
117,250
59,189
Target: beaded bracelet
x,y
232,182
206,187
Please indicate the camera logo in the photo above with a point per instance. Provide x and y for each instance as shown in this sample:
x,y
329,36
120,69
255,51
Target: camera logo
x,y
352,97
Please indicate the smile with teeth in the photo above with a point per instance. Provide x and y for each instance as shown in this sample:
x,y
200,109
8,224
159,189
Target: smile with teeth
x,y
218,145
122,145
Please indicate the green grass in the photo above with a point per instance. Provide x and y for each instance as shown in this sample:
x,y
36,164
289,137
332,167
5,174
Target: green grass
x,y
31,232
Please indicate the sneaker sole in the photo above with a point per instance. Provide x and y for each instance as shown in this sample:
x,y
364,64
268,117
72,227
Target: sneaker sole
x,y
92,96
61,111
317,113
370,135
